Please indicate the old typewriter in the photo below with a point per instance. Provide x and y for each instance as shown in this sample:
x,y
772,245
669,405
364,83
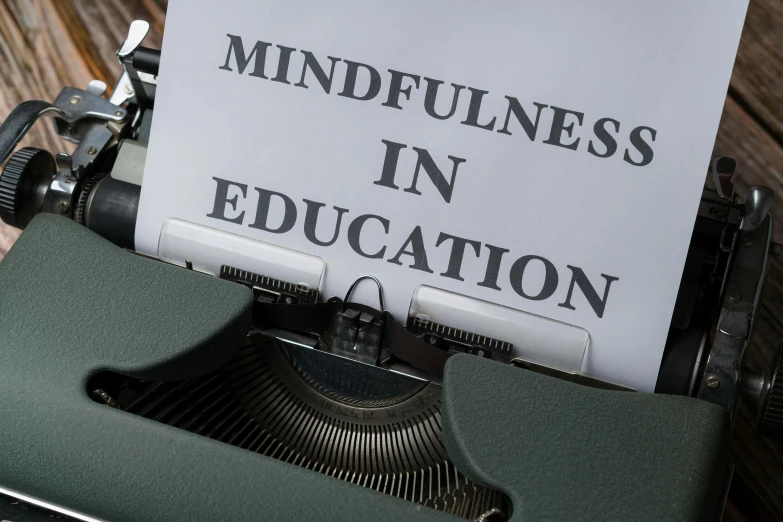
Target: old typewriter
x,y
214,382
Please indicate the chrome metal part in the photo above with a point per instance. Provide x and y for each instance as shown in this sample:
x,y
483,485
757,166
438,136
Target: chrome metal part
x,y
136,34
722,170
77,104
123,91
105,397
721,379
97,87
697,364
47,506
148,79
712,381
758,203
81,110
61,197
143,85
492,515
93,144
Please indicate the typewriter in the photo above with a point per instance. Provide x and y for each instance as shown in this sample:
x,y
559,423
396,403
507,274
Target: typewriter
x,y
190,387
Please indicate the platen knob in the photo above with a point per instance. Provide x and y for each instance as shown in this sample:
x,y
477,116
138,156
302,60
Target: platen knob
x,y
23,185
770,423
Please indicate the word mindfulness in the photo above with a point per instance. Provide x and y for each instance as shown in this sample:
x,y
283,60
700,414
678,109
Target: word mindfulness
x,y
364,83
366,234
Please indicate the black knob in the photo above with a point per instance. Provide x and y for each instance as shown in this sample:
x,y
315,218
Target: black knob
x,y
770,422
23,185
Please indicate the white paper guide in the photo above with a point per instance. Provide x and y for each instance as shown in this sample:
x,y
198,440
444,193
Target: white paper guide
x,y
545,155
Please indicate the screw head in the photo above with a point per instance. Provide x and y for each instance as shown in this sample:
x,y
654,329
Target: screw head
x,y
75,99
118,113
129,90
712,382
734,297
91,151
64,206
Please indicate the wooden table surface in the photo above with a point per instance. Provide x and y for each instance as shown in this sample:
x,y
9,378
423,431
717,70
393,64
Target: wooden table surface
x,y
48,44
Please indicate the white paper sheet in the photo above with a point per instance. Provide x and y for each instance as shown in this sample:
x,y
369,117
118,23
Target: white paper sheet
x,y
662,65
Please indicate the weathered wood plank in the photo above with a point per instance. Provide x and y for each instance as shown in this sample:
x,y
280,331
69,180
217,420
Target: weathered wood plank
x,y
758,71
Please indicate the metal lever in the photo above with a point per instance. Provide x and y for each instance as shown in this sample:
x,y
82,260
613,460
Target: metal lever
x,y
758,203
722,170
136,35
80,110
132,84
60,196
97,87
19,122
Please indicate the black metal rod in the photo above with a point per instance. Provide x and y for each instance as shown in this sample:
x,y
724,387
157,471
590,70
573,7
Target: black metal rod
x,y
146,60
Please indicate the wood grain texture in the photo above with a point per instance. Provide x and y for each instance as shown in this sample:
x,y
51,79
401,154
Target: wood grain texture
x,y
756,82
48,44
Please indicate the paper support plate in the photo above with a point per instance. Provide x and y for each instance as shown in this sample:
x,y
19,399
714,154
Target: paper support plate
x,y
208,249
535,339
